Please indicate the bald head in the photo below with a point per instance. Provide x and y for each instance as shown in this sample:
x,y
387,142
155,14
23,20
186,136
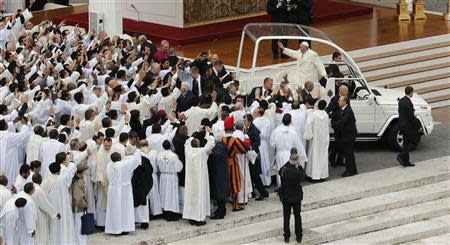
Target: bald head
x,y
343,90
309,85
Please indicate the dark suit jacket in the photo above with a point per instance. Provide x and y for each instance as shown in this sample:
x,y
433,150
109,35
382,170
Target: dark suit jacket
x,y
254,135
306,95
406,118
205,86
251,95
345,125
178,144
277,14
142,182
201,65
184,102
291,190
218,172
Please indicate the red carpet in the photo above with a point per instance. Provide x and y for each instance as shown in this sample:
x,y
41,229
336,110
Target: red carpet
x,y
324,10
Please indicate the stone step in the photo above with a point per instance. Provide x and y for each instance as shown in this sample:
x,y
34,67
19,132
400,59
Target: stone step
x,y
434,94
407,69
409,58
404,233
440,104
328,215
400,48
316,196
441,239
414,78
420,87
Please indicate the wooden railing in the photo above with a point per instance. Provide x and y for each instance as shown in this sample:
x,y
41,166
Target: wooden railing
x,y
39,16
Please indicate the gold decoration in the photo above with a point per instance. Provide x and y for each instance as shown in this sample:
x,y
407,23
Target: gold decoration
x,y
212,10
402,11
418,8
447,15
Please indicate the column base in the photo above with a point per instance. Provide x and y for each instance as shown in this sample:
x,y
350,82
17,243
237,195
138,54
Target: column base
x,y
402,12
446,16
418,13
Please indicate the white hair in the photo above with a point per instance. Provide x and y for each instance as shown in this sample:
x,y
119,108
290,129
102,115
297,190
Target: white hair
x,y
306,44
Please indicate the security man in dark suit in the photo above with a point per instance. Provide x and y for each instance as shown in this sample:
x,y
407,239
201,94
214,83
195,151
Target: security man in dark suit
x,y
334,112
291,194
265,90
409,127
277,9
345,125
255,169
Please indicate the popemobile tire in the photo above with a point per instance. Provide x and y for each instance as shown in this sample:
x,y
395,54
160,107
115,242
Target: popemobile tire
x,y
394,138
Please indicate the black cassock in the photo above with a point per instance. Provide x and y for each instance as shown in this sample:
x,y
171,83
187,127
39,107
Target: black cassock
x,y
142,182
218,172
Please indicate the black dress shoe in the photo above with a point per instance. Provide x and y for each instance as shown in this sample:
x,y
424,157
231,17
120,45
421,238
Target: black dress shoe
x,y
217,217
299,239
262,196
144,226
286,239
348,174
200,223
192,222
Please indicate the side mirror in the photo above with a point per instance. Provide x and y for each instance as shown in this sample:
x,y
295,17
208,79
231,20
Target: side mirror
x,y
372,98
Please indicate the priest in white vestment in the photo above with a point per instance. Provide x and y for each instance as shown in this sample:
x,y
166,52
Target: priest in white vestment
x,y
120,208
45,210
169,165
194,116
9,155
196,190
264,126
154,196
32,148
5,194
9,220
56,186
283,139
48,151
298,114
318,133
27,217
103,157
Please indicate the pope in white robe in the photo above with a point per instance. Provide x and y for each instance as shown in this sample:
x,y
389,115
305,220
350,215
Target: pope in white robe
x,y
169,165
57,189
45,210
196,190
318,133
309,66
9,155
48,151
120,208
283,139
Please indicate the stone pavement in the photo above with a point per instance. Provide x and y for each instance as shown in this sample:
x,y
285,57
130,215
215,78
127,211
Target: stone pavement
x,y
261,220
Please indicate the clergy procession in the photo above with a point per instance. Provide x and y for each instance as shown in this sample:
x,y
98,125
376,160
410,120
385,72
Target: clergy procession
x,y
106,133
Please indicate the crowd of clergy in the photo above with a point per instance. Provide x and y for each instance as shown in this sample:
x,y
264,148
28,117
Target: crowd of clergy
x,y
125,130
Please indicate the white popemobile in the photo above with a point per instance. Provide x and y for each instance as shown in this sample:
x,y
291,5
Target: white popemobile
x,y
376,109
